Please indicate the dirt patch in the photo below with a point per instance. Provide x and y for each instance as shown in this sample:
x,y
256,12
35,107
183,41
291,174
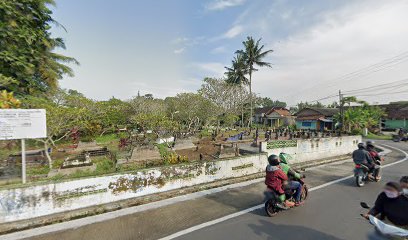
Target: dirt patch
x,y
206,148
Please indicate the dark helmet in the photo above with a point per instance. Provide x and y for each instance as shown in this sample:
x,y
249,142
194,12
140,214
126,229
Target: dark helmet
x,y
370,143
361,145
273,160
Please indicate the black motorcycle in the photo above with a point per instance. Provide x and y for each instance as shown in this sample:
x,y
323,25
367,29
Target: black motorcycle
x,y
273,204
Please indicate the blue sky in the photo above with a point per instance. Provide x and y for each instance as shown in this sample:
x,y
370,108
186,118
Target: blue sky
x,y
164,47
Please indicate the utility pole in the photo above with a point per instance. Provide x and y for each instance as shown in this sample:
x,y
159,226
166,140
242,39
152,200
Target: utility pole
x,y
341,110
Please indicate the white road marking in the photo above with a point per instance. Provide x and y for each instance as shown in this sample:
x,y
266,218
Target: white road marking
x,y
216,221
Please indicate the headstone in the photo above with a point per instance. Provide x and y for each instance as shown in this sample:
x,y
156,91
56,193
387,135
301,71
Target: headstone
x,y
186,143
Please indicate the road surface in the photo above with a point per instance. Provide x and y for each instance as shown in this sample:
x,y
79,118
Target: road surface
x,y
331,212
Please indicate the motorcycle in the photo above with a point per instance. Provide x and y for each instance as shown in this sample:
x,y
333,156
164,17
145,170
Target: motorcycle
x,y
272,203
362,174
384,228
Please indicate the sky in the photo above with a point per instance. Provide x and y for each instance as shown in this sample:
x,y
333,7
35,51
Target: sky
x,y
166,47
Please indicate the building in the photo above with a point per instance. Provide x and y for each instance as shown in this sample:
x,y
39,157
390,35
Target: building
x,y
259,114
320,119
273,116
396,116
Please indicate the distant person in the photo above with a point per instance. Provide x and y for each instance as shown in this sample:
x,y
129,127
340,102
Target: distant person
x,y
375,157
391,205
362,157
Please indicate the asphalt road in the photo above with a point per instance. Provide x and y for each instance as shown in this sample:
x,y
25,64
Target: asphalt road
x,y
331,212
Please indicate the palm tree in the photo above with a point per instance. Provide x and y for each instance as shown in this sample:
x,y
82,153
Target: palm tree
x,y
237,73
253,54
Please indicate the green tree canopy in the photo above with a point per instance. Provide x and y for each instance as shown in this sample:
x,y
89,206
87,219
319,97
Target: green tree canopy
x,y
28,63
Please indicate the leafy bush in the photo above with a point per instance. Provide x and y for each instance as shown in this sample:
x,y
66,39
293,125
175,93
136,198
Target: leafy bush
x,y
173,158
104,166
40,170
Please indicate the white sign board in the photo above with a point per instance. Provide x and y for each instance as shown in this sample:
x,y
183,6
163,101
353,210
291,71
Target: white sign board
x,y
22,124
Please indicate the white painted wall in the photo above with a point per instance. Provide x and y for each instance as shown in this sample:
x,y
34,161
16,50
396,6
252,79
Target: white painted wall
x,y
40,200
318,148
34,201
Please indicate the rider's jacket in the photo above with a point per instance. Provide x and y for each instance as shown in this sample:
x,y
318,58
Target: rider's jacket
x,y
361,156
374,154
275,178
289,171
394,209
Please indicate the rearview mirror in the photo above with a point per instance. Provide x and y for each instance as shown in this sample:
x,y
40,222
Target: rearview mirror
x,y
364,205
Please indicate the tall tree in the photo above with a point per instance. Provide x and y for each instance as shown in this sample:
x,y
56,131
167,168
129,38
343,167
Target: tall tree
x,y
237,73
28,63
254,56
268,102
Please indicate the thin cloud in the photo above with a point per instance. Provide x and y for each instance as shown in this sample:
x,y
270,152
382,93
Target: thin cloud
x,y
217,5
345,40
218,50
210,68
234,31
178,51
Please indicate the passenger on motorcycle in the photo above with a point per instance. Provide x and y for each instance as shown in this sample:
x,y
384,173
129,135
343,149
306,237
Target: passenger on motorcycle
x,y
362,157
276,180
375,156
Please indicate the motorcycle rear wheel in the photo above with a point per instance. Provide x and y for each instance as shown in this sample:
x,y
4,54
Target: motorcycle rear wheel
x,y
270,208
360,180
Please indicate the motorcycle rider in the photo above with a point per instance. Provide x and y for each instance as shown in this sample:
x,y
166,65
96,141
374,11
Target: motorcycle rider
x,y
391,205
284,164
362,157
293,176
275,179
375,156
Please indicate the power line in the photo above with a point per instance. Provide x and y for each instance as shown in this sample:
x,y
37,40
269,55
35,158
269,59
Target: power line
x,y
379,94
383,86
382,65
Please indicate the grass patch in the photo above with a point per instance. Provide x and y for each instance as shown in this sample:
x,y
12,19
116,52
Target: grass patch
x,y
108,138
163,149
40,170
379,137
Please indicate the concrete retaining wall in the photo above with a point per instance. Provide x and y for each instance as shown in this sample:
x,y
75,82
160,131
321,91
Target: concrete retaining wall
x,y
34,201
311,149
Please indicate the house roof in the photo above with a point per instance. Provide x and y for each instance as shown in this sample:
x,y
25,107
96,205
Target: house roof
x,y
280,110
396,110
312,112
261,110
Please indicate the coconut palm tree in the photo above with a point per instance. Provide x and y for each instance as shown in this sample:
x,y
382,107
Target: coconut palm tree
x,y
237,73
253,54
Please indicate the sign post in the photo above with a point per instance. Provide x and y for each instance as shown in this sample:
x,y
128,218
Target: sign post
x,y
22,124
23,161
